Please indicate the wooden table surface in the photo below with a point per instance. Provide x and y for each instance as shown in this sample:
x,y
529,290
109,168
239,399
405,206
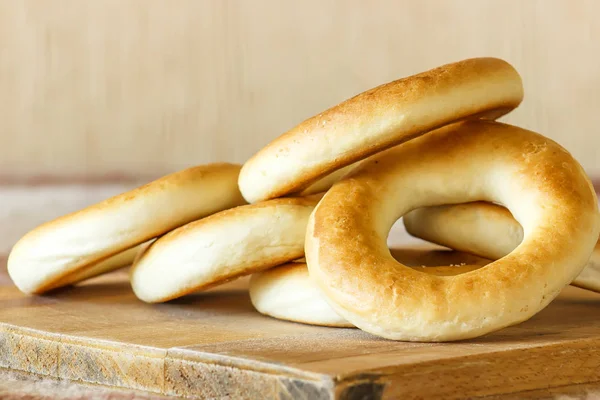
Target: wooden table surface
x,y
17,385
214,344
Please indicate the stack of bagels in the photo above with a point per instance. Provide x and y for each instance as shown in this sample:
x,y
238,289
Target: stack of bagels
x,y
309,216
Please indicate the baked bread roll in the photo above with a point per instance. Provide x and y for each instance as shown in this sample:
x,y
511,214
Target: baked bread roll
x,y
60,251
377,119
536,179
222,247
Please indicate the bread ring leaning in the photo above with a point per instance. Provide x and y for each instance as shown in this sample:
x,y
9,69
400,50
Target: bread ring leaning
x,y
222,247
287,292
380,118
540,182
72,243
484,229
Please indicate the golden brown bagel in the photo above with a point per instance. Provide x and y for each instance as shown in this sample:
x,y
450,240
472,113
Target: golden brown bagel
x,y
287,292
484,229
70,244
540,182
380,118
222,247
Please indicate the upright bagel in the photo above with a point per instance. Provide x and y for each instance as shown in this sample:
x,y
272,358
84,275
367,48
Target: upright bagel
x,y
380,118
484,229
537,180
69,244
222,247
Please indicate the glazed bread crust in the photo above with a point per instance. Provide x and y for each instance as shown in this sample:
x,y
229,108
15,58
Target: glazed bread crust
x,y
70,244
380,118
222,247
485,229
536,179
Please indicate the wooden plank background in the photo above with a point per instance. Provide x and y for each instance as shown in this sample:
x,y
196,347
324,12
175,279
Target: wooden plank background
x,y
105,87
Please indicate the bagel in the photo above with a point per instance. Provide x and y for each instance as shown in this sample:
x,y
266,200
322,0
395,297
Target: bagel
x,y
535,178
75,242
222,247
484,229
287,292
380,118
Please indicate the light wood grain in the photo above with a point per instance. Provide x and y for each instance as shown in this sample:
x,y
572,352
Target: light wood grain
x,y
146,87
16,385
214,344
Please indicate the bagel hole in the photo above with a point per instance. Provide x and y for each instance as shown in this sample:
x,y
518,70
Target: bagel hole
x,y
430,258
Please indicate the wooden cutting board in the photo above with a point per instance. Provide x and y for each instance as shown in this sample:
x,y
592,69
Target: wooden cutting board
x,y
214,345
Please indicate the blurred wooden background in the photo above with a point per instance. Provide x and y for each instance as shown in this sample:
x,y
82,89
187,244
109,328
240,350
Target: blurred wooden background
x,y
105,87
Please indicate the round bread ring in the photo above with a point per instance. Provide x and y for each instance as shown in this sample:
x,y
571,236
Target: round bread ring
x,y
484,229
72,243
540,182
287,292
380,118
222,247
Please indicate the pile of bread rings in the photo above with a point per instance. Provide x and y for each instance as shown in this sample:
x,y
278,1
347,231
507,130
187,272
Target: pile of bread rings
x,y
309,216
